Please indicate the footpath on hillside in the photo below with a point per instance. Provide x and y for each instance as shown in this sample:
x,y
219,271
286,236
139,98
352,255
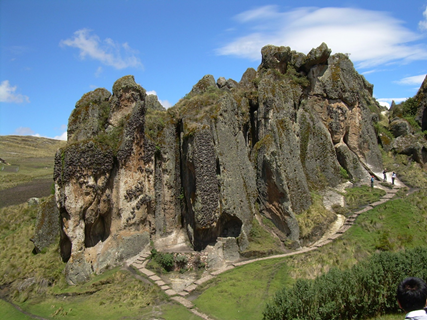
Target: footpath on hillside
x,y
140,261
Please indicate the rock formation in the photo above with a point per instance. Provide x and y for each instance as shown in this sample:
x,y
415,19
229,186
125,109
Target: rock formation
x,y
47,223
407,124
421,99
133,172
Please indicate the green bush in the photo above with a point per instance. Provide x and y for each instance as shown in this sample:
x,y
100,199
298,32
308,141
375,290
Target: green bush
x,y
344,174
181,261
366,290
165,260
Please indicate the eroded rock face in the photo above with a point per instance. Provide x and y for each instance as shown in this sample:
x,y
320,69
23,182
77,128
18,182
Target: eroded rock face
x,y
421,99
134,172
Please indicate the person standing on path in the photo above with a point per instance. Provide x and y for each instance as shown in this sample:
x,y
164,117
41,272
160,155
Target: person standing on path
x,y
372,181
393,177
385,175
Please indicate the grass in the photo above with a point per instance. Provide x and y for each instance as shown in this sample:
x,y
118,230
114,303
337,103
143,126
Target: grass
x,y
112,295
359,196
241,293
33,157
261,242
8,312
316,216
177,312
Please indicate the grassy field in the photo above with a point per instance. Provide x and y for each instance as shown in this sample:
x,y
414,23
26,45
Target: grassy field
x,y
30,171
8,312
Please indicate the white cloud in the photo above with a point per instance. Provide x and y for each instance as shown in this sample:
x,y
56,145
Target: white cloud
x,y
423,23
165,103
7,94
108,52
371,37
152,92
63,136
414,80
98,72
26,131
387,101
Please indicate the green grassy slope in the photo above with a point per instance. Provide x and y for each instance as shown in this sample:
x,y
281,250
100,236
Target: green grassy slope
x,y
30,171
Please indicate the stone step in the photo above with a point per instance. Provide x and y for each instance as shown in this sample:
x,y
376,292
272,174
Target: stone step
x,y
203,280
147,272
171,292
160,283
185,302
199,314
217,272
155,278
190,288
183,293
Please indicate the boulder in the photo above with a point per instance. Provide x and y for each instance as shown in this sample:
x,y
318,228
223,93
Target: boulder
x,y
248,78
350,162
221,82
399,127
203,84
411,145
47,224
317,56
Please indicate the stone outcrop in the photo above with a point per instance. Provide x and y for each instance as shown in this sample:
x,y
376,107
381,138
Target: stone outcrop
x,y
399,127
407,126
47,224
421,99
411,145
133,172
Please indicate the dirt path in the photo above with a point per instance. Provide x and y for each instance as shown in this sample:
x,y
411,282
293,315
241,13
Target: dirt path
x,y
337,230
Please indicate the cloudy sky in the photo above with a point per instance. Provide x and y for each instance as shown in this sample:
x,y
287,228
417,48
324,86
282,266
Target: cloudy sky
x,y
52,52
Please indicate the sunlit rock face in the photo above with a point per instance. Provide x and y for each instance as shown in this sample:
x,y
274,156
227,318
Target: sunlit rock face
x,y
133,172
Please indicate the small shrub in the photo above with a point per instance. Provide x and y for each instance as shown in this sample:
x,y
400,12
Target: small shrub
x,y
181,261
384,243
340,210
344,174
165,260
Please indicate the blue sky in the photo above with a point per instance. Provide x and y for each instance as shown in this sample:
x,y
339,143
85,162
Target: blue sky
x,y
54,51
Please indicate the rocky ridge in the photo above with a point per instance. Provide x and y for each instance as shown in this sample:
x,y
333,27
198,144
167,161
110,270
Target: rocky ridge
x,y
133,172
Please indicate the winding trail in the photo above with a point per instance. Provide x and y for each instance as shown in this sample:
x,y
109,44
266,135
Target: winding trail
x,y
140,261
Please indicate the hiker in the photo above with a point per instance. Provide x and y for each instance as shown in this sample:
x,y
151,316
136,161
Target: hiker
x,y
393,177
372,181
412,298
385,175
